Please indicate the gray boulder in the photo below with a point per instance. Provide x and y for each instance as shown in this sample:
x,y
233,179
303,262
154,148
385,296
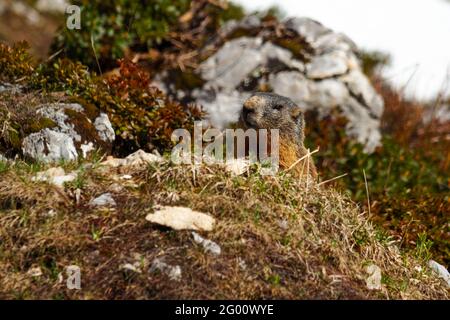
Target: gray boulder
x,y
328,77
73,135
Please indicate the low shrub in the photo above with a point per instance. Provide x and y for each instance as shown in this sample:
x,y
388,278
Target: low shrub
x,y
142,116
110,30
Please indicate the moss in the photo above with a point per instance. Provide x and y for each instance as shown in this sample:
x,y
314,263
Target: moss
x,y
297,46
14,139
242,32
86,130
187,80
39,124
91,111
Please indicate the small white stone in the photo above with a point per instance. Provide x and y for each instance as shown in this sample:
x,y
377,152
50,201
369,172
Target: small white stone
x,y
180,218
56,176
237,167
373,281
139,158
173,272
208,245
86,148
35,272
129,267
440,271
104,128
105,200
51,213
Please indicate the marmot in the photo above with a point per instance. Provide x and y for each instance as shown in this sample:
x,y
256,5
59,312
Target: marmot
x,y
265,110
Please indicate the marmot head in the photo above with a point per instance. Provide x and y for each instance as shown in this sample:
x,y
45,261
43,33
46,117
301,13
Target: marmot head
x,y
265,110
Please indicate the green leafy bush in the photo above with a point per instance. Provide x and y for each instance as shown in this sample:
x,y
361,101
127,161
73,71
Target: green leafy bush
x,y
142,116
114,28
111,27
409,191
15,62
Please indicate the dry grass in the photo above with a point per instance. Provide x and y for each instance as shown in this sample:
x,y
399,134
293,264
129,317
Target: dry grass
x,y
279,238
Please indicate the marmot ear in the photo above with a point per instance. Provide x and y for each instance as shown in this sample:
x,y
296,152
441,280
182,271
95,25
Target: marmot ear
x,y
296,112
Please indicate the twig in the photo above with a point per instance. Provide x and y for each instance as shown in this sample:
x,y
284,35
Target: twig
x,y
367,191
332,179
95,54
302,158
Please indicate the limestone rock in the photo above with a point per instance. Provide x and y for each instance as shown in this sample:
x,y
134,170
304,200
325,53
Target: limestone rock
x,y
73,135
173,272
49,146
328,77
373,281
52,6
105,200
237,167
440,271
180,218
104,128
55,176
35,272
137,159
208,245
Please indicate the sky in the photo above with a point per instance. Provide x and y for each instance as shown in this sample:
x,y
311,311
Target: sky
x,y
416,33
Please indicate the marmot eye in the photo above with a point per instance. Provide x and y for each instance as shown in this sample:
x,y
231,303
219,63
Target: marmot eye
x,y
278,107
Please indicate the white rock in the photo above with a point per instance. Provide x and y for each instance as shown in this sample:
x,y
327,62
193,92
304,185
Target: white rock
x,y
139,158
104,128
65,140
180,218
86,148
208,245
173,272
283,224
222,107
308,28
12,88
237,167
35,272
56,176
3,158
373,281
129,267
363,122
332,78
56,6
105,200
52,213
49,146
327,66
233,62
56,112
440,270
29,13
334,41
248,22
360,86
242,264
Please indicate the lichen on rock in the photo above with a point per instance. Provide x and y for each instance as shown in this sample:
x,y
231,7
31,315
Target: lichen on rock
x,y
72,136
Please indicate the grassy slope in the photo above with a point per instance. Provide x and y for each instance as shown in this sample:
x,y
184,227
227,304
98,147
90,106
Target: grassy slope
x,y
323,252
